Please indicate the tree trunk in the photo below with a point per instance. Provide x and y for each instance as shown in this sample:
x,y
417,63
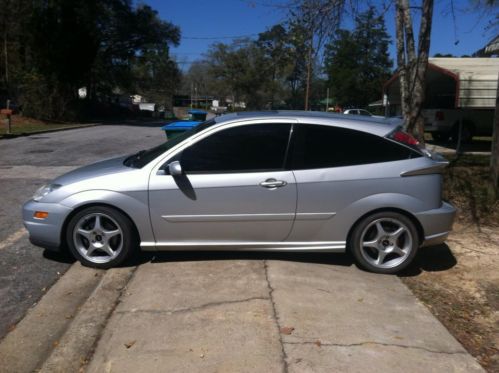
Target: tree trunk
x,y
412,66
6,56
494,156
401,63
420,67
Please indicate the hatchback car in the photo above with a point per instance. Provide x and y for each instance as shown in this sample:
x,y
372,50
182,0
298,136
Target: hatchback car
x,y
296,181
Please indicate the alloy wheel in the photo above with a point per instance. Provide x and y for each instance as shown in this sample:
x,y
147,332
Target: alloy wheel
x,y
386,243
98,238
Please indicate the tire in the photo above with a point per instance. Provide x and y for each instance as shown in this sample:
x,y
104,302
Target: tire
x,y
440,136
466,134
101,237
389,249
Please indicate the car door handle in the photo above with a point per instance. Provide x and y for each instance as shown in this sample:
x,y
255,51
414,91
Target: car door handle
x,y
273,183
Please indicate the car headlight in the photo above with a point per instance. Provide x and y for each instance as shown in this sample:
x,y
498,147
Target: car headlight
x,y
44,190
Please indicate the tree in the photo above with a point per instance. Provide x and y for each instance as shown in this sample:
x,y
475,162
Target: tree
x,y
52,48
277,51
412,63
240,70
357,62
319,19
155,76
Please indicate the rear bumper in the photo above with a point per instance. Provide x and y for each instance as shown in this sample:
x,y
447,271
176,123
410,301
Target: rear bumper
x,y
437,224
45,233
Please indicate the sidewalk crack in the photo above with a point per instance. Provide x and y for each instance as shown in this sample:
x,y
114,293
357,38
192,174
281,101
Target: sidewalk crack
x,y
374,343
276,318
195,308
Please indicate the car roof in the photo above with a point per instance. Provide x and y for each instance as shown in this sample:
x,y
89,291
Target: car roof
x,y
377,126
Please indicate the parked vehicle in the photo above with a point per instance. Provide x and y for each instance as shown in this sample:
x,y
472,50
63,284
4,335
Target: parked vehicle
x,y
296,181
443,124
358,112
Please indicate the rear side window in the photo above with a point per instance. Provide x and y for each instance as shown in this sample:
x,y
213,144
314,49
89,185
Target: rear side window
x,y
254,147
317,146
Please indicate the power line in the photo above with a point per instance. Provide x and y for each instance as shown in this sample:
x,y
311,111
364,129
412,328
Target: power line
x,y
218,37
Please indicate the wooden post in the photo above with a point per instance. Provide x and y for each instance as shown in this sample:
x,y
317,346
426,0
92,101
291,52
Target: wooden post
x,y
459,134
494,154
8,113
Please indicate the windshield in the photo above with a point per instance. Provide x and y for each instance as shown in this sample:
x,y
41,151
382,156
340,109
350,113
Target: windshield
x,y
140,159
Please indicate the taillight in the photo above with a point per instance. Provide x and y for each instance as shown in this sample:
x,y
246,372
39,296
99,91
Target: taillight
x,y
439,115
404,138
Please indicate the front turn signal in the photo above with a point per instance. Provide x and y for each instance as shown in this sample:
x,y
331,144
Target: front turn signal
x,y
41,215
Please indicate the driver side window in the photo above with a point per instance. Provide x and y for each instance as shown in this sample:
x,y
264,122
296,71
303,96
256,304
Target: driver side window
x,y
247,148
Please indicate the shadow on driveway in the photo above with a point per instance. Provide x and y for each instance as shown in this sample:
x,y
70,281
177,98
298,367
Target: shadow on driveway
x,y
431,259
187,256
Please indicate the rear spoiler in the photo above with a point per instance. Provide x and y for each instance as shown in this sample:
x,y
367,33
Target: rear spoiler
x,y
436,168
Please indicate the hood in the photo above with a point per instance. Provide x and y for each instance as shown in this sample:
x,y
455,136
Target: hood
x,y
109,166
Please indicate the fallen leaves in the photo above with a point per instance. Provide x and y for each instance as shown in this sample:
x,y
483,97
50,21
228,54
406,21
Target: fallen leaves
x,y
130,343
287,330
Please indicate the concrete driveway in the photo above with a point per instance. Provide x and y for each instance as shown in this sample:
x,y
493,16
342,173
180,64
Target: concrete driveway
x,y
206,311
254,315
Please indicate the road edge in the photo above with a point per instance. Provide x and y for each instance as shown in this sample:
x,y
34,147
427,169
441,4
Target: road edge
x,y
26,134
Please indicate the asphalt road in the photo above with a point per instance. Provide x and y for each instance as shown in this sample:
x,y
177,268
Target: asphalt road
x,y
26,271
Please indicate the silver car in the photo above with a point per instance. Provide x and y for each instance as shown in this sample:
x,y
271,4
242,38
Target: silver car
x,y
295,181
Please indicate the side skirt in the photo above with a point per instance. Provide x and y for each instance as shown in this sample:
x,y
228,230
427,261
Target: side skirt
x,y
336,247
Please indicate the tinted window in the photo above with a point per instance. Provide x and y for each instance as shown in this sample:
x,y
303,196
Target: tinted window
x,y
142,158
244,148
316,146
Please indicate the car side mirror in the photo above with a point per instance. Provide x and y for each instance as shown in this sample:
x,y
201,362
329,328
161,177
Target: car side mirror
x,y
175,169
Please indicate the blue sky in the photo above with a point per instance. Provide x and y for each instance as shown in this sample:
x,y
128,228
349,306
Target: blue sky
x,y
219,19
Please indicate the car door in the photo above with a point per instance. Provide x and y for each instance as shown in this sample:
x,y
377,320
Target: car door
x,y
233,188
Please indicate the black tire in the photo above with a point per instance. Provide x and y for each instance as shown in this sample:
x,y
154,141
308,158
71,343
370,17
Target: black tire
x,y
125,242
365,256
440,136
466,134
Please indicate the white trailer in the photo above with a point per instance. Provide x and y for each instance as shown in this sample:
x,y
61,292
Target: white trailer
x,y
459,92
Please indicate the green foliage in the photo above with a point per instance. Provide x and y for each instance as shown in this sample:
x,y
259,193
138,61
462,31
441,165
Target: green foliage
x,y
52,48
357,62
266,73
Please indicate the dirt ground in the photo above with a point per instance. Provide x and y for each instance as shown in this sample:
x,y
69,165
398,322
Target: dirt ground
x,y
459,281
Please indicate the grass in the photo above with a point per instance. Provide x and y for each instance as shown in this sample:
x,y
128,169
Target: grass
x,y
23,125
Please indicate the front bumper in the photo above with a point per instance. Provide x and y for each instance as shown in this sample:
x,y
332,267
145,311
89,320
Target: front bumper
x,y
437,224
45,233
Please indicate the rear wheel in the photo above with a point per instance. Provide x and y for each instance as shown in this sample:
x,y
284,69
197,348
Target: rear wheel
x,y
385,242
466,132
100,237
440,136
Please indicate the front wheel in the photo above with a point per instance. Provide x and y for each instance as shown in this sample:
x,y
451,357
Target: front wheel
x,y
385,242
100,237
